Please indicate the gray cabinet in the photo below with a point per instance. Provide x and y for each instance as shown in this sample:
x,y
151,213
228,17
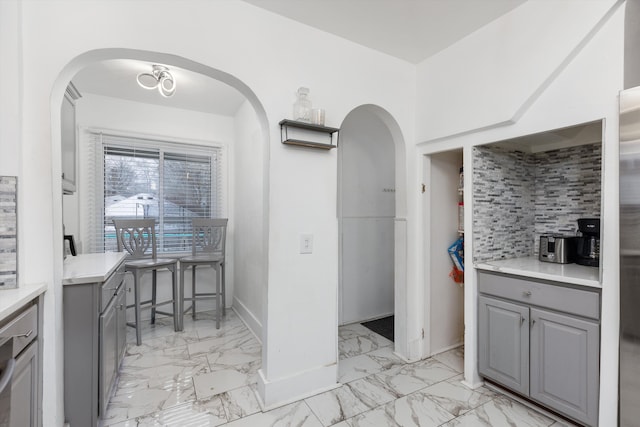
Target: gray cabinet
x,y
24,387
20,333
94,332
121,322
68,139
542,340
504,343
564,364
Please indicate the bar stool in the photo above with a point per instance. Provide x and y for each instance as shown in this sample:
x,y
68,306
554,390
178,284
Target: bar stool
x,y
137,237
208,243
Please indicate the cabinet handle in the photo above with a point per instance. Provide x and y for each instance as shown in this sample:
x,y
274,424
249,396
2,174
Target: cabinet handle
x,y
121,306
533,322
522,320
25,335
526,294
112,289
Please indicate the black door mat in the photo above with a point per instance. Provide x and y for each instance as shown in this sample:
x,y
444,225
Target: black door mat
x,y
382,326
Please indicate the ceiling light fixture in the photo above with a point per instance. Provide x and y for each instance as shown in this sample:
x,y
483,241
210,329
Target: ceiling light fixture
x,y
160,78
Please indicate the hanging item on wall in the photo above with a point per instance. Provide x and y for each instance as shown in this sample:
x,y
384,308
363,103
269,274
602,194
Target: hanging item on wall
x,y
456,252
8,232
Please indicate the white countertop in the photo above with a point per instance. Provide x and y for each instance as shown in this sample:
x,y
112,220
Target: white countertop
x,y
532,267
90,268
13,299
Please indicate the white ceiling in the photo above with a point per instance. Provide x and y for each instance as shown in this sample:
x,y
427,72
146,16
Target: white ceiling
x,y
411,30
117,78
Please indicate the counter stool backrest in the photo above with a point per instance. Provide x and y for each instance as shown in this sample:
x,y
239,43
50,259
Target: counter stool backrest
x,y
209,236
136,236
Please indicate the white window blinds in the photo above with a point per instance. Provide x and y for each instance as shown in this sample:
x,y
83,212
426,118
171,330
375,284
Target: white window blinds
x,y
143,178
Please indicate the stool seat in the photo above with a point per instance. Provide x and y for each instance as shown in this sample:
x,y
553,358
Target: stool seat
x,y
203,258
149,263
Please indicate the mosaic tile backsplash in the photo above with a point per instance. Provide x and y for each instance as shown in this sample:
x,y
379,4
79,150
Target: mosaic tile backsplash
x,y
519,196
8,232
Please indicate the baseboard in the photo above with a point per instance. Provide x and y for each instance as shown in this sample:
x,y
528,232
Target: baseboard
x,y
442,350
252,323
282,391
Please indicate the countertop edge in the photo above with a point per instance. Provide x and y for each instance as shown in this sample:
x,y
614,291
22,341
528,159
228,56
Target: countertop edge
x,y
91,268
13,299
487,266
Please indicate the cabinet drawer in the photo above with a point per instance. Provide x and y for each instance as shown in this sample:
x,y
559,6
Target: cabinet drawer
x,y
110,287
23,328
557,297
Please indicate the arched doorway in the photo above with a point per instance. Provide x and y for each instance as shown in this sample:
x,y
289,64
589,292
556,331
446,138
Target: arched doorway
x,y
255,189
372,220
366,214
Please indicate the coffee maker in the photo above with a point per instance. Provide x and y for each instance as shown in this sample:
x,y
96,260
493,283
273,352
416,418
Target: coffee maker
x,y
588,244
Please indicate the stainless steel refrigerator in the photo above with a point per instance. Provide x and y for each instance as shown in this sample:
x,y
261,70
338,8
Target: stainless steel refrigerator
x,y
630,258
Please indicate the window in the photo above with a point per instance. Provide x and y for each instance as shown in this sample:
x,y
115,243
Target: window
x,y
141,178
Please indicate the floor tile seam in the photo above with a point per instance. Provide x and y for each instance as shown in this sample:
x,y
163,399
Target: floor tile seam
x,y
124,369
227,391
304,402
428,396
147,414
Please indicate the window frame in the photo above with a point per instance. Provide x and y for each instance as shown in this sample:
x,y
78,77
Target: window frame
x,y
99,139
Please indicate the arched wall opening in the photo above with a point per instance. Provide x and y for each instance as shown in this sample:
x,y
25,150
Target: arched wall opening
x,y
372,220
53,353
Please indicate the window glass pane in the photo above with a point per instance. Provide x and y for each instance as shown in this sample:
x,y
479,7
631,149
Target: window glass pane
x,y
131,188
169,182
187,194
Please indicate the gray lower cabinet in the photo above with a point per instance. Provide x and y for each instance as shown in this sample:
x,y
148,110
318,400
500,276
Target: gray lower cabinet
x,y
24,386
565,364
504,343
20,332
94,337
529,345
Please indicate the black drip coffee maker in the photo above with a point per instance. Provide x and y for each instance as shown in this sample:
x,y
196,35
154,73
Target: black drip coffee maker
x,y
588,244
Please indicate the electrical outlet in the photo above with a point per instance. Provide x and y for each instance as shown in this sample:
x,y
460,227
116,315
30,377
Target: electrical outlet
x,y
306,243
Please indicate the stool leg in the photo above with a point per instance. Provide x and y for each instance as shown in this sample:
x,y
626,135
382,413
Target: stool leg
x,y
218,296
153,296
177,326
193,291
181,297
136,297
224,292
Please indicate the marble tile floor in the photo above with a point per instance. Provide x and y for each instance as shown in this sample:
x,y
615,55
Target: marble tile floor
x,y
207,377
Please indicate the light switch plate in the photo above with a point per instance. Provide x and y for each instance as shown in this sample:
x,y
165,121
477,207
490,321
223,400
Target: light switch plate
x,y
306,243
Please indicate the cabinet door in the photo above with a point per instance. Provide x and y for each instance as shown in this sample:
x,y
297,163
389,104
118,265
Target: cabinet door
x,y
565,364
504,343
68,141
24,389
108,356
121,322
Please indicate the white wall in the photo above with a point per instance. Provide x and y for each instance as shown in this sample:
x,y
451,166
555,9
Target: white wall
x,y
272,56
501,86
10,97
367,212
249,214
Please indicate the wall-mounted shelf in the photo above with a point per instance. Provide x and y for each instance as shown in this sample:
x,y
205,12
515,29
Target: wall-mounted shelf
x,y
308,130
